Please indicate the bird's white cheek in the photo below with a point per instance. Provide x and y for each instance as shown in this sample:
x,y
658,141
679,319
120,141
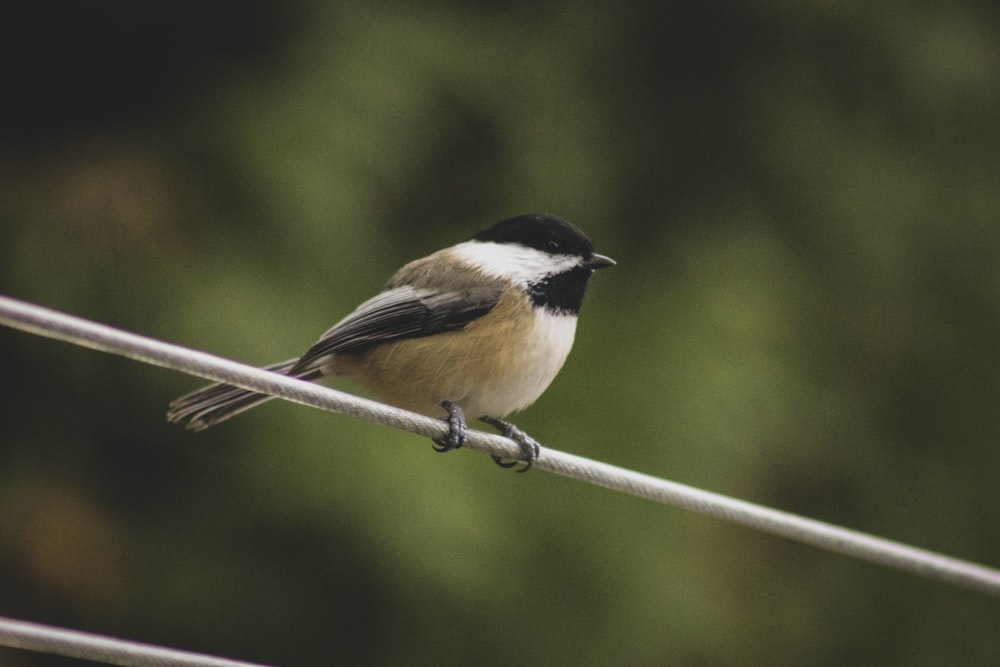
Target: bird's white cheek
x,y
512,262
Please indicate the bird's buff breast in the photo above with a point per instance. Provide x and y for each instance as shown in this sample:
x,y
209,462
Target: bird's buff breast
x,y
497,365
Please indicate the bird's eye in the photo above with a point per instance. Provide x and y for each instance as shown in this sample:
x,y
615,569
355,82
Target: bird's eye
x,y
551,246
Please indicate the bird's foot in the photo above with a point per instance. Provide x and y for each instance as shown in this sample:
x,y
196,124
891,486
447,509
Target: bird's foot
x,y
457,428
529,446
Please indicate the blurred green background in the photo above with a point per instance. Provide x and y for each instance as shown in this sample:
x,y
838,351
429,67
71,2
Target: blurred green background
x,y
803,199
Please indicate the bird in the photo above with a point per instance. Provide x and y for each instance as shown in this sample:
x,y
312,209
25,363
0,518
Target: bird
x,y
479,328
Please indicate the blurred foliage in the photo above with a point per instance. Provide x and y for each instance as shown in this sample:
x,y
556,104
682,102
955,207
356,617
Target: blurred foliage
x,y
803,200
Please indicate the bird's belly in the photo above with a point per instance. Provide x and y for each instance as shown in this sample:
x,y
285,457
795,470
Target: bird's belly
x,y
517,378
489,371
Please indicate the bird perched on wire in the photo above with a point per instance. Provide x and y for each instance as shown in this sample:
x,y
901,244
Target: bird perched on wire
x,y
478,328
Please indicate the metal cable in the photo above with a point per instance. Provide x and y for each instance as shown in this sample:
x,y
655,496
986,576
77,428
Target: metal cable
x,y
53,324
108,650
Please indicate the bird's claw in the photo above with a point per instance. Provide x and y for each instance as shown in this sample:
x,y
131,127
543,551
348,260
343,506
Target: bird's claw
x,y
530,449
457,428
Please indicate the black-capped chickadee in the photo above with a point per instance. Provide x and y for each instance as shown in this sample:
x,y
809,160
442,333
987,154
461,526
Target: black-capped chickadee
x,y
479,328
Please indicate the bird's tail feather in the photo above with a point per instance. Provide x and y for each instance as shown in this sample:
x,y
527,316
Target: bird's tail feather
x,y
218,402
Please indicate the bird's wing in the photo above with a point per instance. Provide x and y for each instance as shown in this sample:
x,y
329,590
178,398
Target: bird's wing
x,y
402,312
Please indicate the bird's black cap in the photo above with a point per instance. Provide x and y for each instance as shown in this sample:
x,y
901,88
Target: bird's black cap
x,y
540,231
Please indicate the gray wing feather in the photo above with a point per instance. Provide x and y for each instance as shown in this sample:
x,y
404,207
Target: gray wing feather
x,y
402,312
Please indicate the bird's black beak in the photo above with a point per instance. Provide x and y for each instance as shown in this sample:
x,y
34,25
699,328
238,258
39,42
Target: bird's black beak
x,y
596,261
